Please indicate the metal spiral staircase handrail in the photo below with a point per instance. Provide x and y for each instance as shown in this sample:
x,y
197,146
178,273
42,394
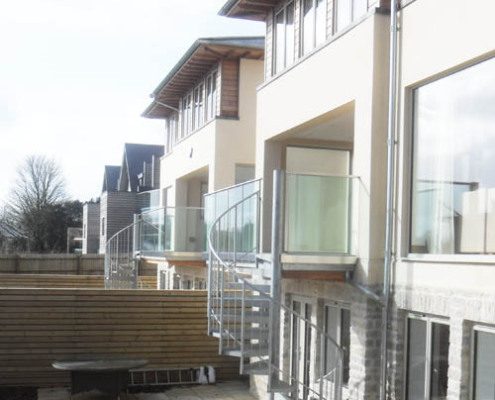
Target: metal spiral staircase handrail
x,y
230,293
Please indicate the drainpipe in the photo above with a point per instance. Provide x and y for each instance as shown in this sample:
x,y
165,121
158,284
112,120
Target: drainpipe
x,y
391,133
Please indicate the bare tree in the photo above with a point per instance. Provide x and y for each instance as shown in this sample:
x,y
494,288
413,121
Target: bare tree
x,y
38,188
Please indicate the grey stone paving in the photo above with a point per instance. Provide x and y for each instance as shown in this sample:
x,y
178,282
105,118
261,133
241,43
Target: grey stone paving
x,y
219,391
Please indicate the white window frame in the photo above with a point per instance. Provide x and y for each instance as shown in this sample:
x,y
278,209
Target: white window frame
x,y
475,329
340,307
315,45
286,63
429,321
354,17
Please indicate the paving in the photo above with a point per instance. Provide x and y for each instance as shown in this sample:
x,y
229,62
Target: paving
x,y
219,391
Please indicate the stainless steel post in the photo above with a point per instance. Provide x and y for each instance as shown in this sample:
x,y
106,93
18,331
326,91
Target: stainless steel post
x,y
391,128
277,237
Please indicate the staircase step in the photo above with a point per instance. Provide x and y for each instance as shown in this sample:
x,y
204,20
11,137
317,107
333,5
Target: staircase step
x,y
249,333
249,301
249,316
256,368
249,351
278,386
239,285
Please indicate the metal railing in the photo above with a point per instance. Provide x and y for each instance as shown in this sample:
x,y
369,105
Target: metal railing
x,y
153,233
121,265
243,313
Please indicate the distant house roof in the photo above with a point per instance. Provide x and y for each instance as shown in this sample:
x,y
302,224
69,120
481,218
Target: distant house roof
x,y
199,59
248,9
111,178
135,155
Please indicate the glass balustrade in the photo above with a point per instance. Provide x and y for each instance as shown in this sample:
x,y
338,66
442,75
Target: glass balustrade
x,y
241,222
171,230
318,213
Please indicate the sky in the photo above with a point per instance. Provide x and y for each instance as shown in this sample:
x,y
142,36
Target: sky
x,y
75,76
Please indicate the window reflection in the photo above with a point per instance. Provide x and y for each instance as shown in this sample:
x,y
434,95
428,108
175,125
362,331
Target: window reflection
x,y
453,195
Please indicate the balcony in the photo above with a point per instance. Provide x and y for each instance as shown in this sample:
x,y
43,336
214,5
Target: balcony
x,y
171,232
319,223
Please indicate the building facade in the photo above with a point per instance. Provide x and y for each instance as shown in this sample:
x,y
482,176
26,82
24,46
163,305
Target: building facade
x,y
91,227
321,125
208,103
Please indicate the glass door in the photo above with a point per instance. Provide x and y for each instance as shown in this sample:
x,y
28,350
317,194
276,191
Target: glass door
x,y
301,350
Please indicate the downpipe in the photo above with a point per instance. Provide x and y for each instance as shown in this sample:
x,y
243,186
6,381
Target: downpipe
x,y
389,218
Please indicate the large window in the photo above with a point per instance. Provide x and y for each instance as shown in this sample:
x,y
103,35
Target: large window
x,y
314,24
453,188
427,359
348,11
195,109
338,327
484,364
283,38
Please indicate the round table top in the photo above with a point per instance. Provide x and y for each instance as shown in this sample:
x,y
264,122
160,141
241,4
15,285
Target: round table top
x,y
99,365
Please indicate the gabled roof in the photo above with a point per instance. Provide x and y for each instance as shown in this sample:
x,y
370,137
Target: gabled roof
x,y
199,59
135,154
255,10
111,178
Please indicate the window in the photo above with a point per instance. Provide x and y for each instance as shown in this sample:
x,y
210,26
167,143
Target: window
x,y
453,184
314,24
338,326
103,226
284,38
348,11
427,359
243,173
211,94
483,364
301,348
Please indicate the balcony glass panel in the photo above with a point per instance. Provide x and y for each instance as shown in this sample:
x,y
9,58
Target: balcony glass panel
x,y
244,218
317,214
172,230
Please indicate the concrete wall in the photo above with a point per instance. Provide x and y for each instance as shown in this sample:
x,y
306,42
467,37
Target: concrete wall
x,y
437,38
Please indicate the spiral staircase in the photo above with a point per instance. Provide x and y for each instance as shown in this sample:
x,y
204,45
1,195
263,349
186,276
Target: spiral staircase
x,y
246,314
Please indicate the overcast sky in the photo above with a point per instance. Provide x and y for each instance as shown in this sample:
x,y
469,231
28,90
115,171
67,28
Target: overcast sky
x,y
75,76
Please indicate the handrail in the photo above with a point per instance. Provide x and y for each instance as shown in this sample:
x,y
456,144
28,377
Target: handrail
x,y
233,187
230,266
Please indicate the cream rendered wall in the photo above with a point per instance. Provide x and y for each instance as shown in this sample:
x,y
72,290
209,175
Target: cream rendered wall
x,y
437,38
221,143
350,69
236,139
451,34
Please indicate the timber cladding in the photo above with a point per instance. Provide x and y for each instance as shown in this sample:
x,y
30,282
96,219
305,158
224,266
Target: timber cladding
x,y
39,326
52,281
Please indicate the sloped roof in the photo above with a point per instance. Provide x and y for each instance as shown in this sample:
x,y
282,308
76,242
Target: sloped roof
x,y
255,10
198,60
111,178
135,154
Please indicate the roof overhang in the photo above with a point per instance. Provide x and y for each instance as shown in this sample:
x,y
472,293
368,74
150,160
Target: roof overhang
x,y
255,10
201,57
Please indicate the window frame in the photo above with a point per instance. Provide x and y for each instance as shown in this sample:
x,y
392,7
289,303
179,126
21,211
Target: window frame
x,y
341,307
429,320
472,367
275,56
302,51
354,18
407,166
